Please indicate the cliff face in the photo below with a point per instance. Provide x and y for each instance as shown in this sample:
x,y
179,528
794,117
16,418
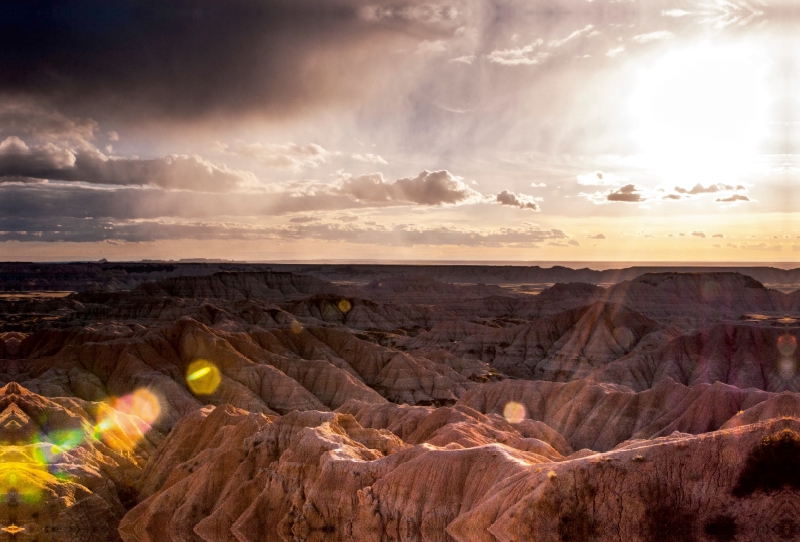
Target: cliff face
x,y
273,406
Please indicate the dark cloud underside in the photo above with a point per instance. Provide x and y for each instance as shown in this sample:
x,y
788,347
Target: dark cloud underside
x,y
190,58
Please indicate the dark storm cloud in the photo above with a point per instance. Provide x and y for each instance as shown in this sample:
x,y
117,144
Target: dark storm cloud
x,y
43,200
98,229
522,201
145,59
51,162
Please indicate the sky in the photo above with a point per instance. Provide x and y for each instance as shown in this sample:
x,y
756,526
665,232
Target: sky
x,y
458,130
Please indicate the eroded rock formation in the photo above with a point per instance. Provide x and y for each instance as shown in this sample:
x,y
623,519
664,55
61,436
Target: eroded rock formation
x,y
254,404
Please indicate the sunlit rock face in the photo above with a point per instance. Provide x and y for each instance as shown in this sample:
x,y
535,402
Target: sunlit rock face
x,y
67,466
270,406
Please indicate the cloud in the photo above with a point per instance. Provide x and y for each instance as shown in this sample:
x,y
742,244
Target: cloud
x,y
143,230
699,234
573,242
554,44
528,55
733,198
25,119
538,185
427,188
517,200
538,51
17,158
289,156
653,36
50,162
615,51
628,194
718,235
202,59
304,219
715,245
700,189
369,158
37,201
466,59
598,236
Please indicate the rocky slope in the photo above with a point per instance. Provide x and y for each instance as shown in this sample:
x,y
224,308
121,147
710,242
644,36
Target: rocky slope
x,y
562,347
255,404
68,468
371,472
741,355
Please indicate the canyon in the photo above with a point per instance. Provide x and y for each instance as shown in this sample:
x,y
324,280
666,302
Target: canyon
x,y
234,402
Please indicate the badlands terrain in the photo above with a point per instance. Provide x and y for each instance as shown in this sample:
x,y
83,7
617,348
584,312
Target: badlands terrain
x,y
211,402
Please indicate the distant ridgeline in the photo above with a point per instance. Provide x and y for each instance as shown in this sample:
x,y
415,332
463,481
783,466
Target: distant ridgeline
x,y
111,276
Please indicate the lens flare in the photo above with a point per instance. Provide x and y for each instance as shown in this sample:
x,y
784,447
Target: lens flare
x,y
345,306
142,404
126,420
23,482
199,374
514,412
203,377
48,448
787,367
787,345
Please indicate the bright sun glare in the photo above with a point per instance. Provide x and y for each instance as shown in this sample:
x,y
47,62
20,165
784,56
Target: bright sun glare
x,y
702,113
